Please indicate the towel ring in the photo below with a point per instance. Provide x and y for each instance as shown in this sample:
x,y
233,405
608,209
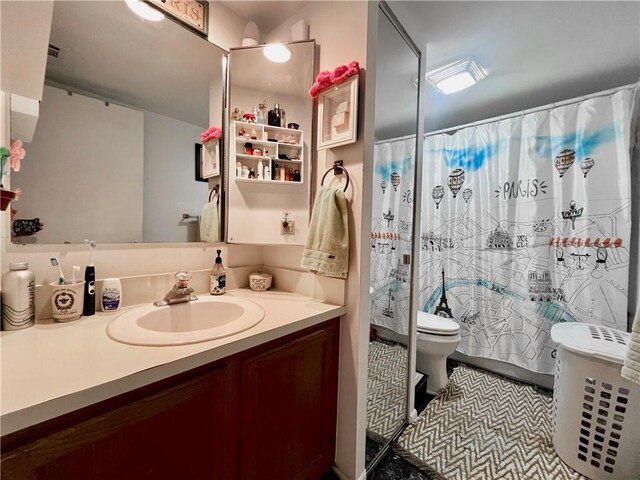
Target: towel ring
x,y
338,169
215,189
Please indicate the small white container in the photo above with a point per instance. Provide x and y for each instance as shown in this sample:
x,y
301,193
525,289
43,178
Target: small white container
x,y
260,281
111,296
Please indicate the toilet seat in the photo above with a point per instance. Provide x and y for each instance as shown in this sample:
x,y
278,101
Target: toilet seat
x,y
435,325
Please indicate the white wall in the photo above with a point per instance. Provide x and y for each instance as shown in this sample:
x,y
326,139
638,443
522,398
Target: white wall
x,y
24,36
341,31
170,188
225,27
82,175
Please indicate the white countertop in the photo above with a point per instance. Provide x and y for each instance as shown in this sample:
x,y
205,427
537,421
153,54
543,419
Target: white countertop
x,y
55,368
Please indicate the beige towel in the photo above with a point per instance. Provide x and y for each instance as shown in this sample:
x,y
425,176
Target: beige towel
x,y
327,250
631,368
209,222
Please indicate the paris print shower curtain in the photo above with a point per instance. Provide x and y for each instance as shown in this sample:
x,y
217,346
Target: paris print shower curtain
x,y
529,218
392,219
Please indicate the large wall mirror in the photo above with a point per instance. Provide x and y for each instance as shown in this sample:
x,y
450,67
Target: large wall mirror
x,y
114,156
392,294
270,142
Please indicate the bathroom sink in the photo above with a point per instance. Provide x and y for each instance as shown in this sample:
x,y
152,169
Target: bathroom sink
x,y
197,321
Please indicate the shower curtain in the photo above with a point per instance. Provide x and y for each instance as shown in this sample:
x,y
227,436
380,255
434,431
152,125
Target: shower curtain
x,y
529,218
392,220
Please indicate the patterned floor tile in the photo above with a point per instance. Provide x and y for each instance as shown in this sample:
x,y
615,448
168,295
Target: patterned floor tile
x,y
386,385
485,427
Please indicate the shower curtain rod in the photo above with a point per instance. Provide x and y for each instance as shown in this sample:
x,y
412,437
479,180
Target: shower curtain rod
x,y
519,113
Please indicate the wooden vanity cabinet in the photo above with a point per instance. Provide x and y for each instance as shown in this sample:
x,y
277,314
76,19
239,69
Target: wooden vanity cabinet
x,y
266,413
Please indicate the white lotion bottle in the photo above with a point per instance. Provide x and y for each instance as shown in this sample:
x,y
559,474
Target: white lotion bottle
x,y
18,297
259,170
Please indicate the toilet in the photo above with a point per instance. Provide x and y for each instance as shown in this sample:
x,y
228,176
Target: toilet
x,y
438,338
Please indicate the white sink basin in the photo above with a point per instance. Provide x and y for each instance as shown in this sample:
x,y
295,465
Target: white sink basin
x,y
197,321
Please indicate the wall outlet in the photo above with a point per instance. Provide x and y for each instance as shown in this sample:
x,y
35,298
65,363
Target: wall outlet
x,y
290,230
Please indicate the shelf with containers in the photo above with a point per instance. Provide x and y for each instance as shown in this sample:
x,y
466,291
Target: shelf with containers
x,y
271,143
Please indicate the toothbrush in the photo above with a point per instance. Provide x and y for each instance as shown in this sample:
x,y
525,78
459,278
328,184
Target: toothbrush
x,y
92,245
56,263
76,269
89,307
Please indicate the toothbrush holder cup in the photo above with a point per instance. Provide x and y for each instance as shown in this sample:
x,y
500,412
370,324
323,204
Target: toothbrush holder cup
x,y
67,300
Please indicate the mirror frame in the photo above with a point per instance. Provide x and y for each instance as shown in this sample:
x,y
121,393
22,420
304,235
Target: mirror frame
x,y
411,415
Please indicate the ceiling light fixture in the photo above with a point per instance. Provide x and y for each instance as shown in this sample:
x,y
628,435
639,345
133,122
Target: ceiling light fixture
x,y
145,11
277,53
457,75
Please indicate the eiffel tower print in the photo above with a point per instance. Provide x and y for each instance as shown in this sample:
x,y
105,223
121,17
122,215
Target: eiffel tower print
x,y
443,309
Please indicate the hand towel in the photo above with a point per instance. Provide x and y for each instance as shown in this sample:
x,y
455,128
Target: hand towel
x,y
209,222
327,249
631,367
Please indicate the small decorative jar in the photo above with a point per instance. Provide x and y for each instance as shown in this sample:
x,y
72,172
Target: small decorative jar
x,y
260,281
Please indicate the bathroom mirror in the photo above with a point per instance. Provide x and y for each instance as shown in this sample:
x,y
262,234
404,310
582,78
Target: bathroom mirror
x,y
270,130
114,155
392,236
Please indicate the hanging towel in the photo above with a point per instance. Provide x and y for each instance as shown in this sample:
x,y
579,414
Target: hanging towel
x,y
327,249
631,368
209,223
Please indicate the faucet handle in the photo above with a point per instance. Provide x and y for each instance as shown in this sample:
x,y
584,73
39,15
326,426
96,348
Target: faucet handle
x,y
182,278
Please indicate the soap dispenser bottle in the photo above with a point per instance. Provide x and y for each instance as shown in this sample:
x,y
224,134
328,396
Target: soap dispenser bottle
x,y
218,277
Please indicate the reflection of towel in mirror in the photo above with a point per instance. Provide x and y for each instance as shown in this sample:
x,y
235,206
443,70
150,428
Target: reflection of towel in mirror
x,y
209,223
327,249
631,368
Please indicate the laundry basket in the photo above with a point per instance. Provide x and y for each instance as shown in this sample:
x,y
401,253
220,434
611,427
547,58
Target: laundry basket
x,y
595,411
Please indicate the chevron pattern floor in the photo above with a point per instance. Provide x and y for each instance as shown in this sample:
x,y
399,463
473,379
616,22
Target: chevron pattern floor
x,y
486,427
386,385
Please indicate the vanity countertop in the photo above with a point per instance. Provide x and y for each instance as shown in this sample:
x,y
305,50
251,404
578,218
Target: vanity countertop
x,y
55,368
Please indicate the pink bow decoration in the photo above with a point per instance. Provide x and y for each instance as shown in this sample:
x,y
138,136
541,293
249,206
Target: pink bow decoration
x,y
323,80
340,74
211,133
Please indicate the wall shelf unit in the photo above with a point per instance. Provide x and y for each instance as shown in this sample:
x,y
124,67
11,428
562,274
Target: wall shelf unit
x,y
273,142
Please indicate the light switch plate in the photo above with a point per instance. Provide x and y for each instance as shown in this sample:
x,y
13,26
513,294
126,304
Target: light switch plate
x,y
290,230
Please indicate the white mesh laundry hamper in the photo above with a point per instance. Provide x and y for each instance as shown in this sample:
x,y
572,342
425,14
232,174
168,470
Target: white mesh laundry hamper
x,y
595,411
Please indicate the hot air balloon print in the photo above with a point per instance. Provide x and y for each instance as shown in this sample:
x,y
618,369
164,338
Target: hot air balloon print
x,y
587,164
437,194
395,181
383,186
456,179
466,194
564,160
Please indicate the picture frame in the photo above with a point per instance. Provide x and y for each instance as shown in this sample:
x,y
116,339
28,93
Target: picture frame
x,y
338,114
198,164
191,14
210,159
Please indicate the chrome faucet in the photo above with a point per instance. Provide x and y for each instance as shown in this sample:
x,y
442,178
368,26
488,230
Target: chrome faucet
x,y
180,293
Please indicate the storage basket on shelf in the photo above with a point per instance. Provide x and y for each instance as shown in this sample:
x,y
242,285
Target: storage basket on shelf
x,y
596,412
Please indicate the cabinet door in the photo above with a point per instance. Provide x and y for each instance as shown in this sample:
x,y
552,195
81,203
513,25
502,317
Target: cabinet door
x,y
288,398
182,432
